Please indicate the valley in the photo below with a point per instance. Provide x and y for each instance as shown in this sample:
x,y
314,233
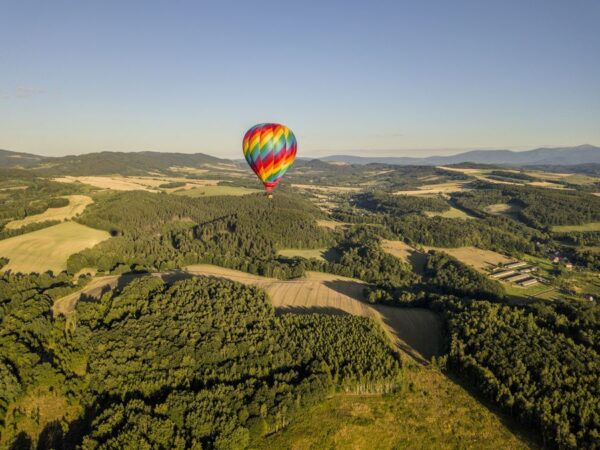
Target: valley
x,y
356,290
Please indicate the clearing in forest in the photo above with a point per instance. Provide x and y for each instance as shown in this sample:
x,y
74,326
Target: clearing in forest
x,y
211,191
429,412
475,257
414,330
452,213
406,253
432,189
331,224
77,203
504,209
330,189
48,248
591,226
307,253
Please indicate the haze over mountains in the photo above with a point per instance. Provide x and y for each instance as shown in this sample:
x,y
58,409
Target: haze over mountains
x,y
582,154
113,162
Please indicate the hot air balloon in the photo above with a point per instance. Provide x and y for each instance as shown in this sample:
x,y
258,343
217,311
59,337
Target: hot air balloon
x,y
270,150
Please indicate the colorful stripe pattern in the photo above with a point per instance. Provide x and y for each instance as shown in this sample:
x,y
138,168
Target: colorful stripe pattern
x,y
270,150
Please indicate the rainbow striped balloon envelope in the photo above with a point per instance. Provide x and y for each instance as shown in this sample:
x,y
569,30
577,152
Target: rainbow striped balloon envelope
x,y
270,150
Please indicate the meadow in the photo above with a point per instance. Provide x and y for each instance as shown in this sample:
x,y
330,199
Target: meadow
x,y
48,248
592,226
77,204
317,253
429,412
211,191
452,213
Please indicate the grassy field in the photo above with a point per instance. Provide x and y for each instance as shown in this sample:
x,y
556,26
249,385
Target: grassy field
x,y
331,189
318,253
475,257
331,224
429,412
77,203
592,226
122,183
547,184
49,248
406,253
503,209
432,189
211,191
452,213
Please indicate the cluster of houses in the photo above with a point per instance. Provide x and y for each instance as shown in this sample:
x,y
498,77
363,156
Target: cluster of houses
x,y
556,259
518,272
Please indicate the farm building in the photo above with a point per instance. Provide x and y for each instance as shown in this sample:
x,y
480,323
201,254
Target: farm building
x,y
502,274
517,278
515,265
528,269
529,282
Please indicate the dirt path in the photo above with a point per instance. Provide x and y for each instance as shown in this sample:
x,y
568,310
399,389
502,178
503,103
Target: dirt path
x,y
415,331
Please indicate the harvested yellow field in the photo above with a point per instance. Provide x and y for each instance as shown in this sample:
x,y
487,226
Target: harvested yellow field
x,y
547,184
122,183
406,253
433,189
414,330
77,203
331,189
461,169
475,257
190,170
398,249
48,248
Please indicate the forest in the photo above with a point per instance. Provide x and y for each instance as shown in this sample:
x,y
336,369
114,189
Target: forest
x,y
199,363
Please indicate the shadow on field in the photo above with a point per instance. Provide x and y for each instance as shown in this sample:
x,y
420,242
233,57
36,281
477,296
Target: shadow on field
x,y
350,288
310,310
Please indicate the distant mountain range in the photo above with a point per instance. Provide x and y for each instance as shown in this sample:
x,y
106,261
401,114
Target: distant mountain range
x,y
136,162
582,154
105,162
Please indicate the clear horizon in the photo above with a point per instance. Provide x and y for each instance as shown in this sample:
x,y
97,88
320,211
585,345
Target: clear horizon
x,y
387,79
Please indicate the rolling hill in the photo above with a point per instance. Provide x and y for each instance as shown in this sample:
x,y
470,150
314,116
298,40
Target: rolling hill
x,y
105,162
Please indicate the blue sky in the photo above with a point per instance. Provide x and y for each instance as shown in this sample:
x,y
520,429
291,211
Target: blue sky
x,y
383,77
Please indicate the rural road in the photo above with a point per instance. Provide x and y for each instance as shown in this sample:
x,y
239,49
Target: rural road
x,y
415,331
